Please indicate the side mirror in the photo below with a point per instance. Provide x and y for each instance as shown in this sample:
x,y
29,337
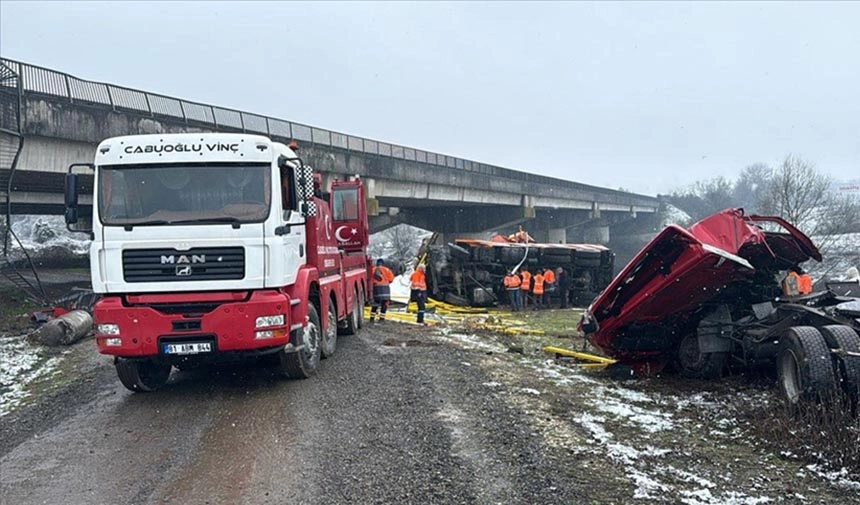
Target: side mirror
x,y
71,190
71,216
74,222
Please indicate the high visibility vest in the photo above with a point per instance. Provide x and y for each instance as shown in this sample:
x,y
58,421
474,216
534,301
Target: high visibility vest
x,y
512,281
538,289
549,276
527,279
796,284
418,280
382,276
804,284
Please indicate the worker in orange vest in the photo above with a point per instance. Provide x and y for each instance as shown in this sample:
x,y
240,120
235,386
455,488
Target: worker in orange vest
x,y
797,282
512,285
418,285
382,277
549,285
538,290
526,285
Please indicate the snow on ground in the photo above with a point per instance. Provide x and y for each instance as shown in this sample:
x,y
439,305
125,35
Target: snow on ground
x,y
638,431
40,233
614,404
838,478
474,342
20,365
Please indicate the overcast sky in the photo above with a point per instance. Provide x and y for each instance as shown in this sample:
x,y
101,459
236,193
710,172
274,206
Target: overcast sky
x,y
645,96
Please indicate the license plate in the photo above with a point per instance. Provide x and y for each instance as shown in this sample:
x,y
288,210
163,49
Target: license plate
x,y
188,348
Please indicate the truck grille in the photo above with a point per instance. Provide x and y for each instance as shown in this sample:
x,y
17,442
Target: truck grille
x,y
199,264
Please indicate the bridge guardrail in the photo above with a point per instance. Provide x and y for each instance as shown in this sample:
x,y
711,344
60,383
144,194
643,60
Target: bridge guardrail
x,y
43,81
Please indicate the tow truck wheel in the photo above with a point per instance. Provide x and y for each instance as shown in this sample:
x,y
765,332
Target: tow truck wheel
x,y
352,323
329,341
847,368
804,366
304,362
141,375
361,302
694,363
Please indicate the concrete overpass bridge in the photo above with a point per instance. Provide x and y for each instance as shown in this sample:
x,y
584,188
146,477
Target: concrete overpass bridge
x,y
50,119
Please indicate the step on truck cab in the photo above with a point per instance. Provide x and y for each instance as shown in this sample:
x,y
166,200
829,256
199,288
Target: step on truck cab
x,y
210,247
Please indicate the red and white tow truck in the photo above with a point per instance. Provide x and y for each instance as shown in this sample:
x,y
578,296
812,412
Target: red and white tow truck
x,y
210,247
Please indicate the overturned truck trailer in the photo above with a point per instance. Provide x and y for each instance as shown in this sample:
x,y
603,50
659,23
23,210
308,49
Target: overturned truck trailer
x,y
724,293
471,272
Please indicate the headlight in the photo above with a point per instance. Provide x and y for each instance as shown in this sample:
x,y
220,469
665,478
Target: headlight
x,y
107,329
266,321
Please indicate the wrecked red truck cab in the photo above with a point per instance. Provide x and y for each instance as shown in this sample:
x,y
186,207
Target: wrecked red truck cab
x,y
696,297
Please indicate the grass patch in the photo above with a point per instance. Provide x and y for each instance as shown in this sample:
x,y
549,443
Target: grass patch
x,y
553,322
530,331
15,308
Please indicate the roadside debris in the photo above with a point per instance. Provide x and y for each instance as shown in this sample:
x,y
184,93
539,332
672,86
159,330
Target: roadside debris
x,y
581,359
66,329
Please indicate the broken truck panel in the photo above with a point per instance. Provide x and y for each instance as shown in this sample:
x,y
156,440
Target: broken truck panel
x,y
683,277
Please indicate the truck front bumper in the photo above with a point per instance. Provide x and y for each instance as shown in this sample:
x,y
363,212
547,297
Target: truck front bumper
x,y
192,324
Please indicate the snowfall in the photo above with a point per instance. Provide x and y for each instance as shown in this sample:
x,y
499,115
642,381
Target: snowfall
x,y
643,460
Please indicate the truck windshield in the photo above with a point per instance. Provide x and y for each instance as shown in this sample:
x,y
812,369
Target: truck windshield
x,y
184,193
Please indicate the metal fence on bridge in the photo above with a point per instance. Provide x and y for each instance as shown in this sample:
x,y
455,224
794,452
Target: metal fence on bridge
x,y
42,81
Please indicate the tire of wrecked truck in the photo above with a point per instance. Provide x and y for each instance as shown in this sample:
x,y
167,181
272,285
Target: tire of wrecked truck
x,y
556,258
513,255
847,368
304,362
458,252
695,364
586,262
804,367
142,376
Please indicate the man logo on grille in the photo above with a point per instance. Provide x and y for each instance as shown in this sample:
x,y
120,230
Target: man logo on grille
x,y
183,271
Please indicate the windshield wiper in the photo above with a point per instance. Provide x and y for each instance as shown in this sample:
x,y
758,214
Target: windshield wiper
x,y
130,226
207,220
235,221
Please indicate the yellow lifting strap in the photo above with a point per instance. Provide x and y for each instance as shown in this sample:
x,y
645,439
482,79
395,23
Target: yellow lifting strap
x,y
597,360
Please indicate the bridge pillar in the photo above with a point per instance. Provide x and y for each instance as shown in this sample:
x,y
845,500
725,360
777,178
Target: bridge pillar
x,y
557,235
596,234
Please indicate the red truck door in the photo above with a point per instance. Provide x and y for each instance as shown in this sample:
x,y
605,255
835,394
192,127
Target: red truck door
x,y
349,215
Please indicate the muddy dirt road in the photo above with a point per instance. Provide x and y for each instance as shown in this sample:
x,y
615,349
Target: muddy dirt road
x,y
403,414
378,424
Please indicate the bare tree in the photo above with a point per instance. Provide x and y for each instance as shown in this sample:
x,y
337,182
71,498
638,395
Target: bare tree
x,y
705,197
802,195
796,191
750,188
399,243
799,193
